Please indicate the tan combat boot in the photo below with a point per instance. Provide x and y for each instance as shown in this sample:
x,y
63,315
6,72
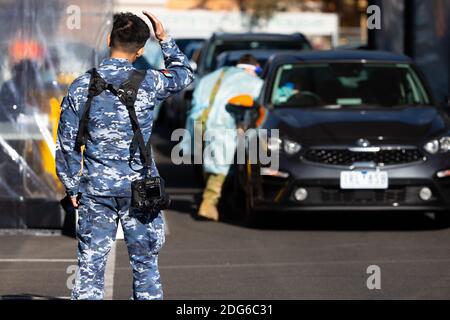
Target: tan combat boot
x,y
211,196
208,211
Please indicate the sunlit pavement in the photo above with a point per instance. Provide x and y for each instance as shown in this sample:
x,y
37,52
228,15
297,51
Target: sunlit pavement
x,y
315,256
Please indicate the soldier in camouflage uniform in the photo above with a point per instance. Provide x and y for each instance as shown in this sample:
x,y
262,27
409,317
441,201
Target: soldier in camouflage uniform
x,y
102,174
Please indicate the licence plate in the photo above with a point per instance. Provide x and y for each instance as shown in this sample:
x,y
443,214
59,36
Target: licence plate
x,y
364,180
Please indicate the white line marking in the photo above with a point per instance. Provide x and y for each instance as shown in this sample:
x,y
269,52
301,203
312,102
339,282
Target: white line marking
x,y
119,233
166,223
109,273
39,260
297,264
30,232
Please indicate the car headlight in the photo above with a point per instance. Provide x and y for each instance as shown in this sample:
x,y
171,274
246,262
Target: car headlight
x,y
432,147
438,145
291,147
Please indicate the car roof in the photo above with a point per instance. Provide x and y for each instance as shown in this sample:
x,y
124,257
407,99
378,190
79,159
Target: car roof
x,y
257,53
256,36
340,55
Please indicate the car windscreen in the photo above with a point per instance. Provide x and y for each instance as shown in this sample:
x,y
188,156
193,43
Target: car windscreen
x,y
347,84
220,46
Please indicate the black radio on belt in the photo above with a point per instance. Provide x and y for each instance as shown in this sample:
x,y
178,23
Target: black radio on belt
x,y
149,194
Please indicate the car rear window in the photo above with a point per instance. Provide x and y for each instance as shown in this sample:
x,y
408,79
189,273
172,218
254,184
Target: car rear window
x,y
221,46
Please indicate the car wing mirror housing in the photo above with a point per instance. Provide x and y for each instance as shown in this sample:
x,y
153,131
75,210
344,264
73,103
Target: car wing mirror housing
x,y
240,104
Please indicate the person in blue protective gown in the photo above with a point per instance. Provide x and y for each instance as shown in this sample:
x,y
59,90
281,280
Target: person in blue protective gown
x,y
209,108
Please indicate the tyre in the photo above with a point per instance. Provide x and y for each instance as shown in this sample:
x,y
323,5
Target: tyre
x,y
250,218
244,194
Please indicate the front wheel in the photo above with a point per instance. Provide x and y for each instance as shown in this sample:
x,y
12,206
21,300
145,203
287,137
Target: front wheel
x,y
249,216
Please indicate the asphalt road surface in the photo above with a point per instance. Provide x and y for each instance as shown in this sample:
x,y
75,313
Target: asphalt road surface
x,y
314,256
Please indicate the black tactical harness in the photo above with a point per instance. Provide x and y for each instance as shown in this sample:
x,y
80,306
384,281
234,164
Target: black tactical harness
x,y
149,193
127,94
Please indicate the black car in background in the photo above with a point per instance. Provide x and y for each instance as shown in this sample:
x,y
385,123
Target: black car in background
x,y
206,61
221,42
189,45
358,130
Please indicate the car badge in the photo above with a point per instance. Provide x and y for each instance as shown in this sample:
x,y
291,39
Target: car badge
x,y
363,143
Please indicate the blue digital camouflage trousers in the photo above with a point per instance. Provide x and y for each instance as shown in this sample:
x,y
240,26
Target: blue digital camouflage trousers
x,y
144,235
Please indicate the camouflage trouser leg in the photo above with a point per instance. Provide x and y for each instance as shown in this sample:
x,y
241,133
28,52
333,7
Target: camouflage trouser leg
x,y
97,227
145,237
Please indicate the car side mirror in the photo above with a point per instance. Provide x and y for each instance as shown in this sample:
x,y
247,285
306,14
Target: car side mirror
x,y
240,104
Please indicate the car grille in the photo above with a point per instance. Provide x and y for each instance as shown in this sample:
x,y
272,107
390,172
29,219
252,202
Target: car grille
x,y
344,157
379,197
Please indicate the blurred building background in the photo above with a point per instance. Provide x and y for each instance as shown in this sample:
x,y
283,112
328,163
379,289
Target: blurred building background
x,y
421,30
327,23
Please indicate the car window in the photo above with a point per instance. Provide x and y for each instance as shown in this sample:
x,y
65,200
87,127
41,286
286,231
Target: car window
x,y
227,61
220,46
348,84
191,48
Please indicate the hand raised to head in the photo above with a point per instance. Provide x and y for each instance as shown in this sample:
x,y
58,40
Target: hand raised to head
x,y
158,28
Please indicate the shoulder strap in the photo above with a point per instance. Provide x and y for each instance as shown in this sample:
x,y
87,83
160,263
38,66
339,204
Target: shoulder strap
x,y
212,97
216,88
96,86
127,94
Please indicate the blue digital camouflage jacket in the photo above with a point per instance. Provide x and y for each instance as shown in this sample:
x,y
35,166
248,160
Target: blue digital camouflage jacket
x,y
104,168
